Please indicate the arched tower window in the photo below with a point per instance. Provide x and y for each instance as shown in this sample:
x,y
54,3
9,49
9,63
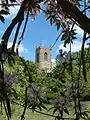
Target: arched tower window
x,y
45,56
37,57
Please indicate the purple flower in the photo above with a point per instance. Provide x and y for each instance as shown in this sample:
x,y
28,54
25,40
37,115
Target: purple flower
x,y
34,91
35,97
8,80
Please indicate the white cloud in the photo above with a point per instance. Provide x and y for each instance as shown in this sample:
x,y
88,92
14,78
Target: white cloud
x,y
76,46
21,49
53,62
13,11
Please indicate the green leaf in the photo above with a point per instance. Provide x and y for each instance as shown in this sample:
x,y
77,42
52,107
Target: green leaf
x,y
43,106
48,17
74,37
50,108
74,33
66,111
8,106
65,44
39,107
33,108
51,21
54,19
55,110
58,26
2,19
63,37
85,114
4,12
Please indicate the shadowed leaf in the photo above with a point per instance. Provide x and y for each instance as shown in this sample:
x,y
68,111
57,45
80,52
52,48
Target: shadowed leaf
x,y
4,12
2,19
66,111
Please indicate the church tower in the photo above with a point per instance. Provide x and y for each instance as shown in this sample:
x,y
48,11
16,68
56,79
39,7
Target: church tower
x,y
43,59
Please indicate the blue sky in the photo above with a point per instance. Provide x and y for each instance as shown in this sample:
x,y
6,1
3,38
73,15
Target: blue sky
x,y
38,32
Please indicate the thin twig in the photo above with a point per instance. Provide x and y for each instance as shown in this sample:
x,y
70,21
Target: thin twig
x,y
82,58
71,67
16,35
6,111
78,87
21,38
25,106
56,40
12,4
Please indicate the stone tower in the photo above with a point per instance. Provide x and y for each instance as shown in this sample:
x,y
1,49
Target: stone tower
x,y
43,59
